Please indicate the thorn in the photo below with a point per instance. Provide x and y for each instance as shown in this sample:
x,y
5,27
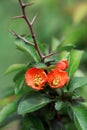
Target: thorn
x,y
28,4
20,37
51,54
33,20
17,17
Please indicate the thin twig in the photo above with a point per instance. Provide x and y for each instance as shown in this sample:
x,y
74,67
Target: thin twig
x,y
21,38
51,54
31,29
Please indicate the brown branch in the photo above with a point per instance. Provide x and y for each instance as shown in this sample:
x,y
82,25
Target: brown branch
x,y
51,54
30,25
31,29
21,38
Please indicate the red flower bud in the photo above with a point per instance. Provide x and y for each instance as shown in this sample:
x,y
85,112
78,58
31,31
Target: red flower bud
x,y
57,78
62,64
36,78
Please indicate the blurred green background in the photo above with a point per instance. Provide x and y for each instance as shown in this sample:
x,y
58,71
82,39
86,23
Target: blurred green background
x,y
61,20
64,20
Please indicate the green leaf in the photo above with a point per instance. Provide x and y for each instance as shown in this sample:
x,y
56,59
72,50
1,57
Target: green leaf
x,y
58,105
74,60
77,82
84,104
19,75
64,55
19,82
32,103
19,85
80,117
43,47
7,111
30,50
6,92
15,67
32,123
67,47
40,65
55,44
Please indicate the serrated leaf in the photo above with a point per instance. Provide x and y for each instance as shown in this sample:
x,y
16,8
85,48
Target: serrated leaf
x,y
80,117
77,82
7,111
15,67
30,50
32,103
32,122
58,105
74,60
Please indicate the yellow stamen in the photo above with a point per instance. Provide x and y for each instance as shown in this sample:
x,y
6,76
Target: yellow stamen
x,y
55,82
37,79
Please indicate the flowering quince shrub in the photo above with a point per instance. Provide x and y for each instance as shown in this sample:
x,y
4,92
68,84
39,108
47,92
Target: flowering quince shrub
x,y
45,93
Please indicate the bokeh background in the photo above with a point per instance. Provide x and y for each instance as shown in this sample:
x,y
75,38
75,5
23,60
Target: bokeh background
x,y
61,20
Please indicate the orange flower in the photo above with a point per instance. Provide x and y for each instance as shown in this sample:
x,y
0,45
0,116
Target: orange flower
x,y
36,78
57,78
62,64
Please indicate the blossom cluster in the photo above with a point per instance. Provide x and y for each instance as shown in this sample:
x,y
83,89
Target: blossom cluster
x,y
36,78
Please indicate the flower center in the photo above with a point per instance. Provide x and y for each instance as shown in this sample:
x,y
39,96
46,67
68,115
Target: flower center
x,y
55,82
37,79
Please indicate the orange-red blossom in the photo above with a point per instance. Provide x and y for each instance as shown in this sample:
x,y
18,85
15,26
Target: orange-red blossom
x,y
36,78
57,78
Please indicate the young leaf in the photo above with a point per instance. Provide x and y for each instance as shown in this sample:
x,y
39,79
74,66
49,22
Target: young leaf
x,y
74,60
32,122
15,67
80,117
7,111
58,105
77,82
30,50
32,103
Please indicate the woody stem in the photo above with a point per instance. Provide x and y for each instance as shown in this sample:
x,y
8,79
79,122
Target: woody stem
x,y
31,29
